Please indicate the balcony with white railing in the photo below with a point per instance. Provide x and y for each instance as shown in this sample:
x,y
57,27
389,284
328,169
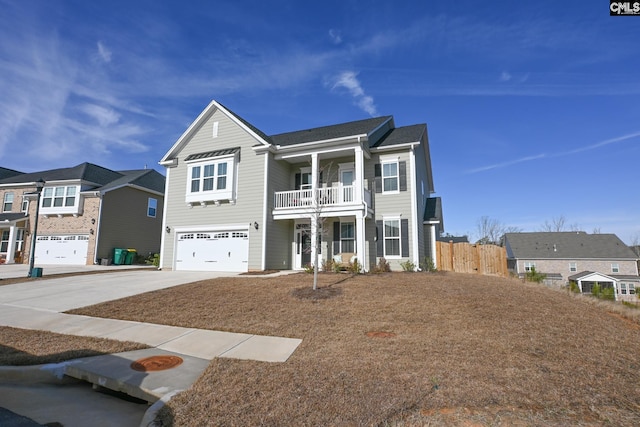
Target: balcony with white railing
x,y
329,199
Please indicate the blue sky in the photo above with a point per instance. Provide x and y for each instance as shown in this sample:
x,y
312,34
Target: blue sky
x,y
532,107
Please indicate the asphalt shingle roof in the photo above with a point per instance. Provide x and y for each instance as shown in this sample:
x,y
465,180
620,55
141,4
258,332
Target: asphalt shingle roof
x,y
359,127
6,173
401,135
566,245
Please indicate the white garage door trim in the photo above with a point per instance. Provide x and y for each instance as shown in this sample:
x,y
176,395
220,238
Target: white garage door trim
x,y
62,249
220,250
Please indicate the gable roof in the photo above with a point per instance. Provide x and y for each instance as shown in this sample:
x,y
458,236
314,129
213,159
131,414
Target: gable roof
x,y
87,172
566,245
6,173
101,178
324,133
401,135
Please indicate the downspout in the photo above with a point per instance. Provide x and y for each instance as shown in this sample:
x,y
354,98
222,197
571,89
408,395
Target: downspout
x,y
265,207
98,222
414,208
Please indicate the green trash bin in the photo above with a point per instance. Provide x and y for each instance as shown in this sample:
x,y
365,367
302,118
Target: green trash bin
x,y
36,272
130,256
119,256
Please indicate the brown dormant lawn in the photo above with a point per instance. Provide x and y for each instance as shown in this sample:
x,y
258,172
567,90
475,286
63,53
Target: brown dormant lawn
x,y
404,349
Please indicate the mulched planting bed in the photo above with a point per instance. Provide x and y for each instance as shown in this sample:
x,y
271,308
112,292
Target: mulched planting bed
x,y
467,349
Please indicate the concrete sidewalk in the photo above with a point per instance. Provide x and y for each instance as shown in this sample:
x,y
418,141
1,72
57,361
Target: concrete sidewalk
x,y
39,305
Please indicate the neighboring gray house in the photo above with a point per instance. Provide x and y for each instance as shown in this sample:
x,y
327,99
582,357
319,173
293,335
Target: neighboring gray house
x,y
85,212
563,254
238,200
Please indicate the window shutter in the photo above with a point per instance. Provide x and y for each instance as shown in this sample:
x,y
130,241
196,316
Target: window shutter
x,y
336,238
298,180
402,172
380,239
404,236
377,171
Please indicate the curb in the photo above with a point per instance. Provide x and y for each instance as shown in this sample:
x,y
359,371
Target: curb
x,y
50,373
149,419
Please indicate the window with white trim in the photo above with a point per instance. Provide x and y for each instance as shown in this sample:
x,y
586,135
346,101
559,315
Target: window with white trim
x,y
623,288
391,238
573,266
211,180
152,207
60,200
390,177
4,241
632,289
615,268
529,266
8,202
25,204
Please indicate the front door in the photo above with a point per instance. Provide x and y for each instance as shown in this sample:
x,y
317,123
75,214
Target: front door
x,y
346,182
302,246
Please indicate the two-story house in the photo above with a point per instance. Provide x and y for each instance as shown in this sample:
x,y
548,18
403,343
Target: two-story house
x,y
238,199
85,212
573,256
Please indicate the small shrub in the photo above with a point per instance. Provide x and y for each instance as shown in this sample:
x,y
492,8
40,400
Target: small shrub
x,y
573,287
534,276
354,266
382,266
607,294
630,304
153,259
308,268
408,266
595,291
428,265
329,265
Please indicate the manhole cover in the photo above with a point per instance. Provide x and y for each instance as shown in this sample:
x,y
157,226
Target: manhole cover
x,y
156,363
380,334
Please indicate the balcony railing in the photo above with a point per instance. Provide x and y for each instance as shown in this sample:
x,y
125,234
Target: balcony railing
x,y
331,196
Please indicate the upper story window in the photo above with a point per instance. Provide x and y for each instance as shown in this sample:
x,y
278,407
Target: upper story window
x,y
211,178
389,177
152,207
573,266
25,204
60,200
8,202
615,268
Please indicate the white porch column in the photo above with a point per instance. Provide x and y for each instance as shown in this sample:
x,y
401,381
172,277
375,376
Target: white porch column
x,y
359,175
432,243
315,208
11,248
360,239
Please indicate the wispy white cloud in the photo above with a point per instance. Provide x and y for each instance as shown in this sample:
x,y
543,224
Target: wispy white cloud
x,y
505,76
349,80
558,154
335,36
506,163
104,53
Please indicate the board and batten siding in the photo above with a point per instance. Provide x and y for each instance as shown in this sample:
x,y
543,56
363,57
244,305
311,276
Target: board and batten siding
x,y
124,222
249,182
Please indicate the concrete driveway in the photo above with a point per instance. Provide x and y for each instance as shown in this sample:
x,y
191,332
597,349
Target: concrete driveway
x,y
62,294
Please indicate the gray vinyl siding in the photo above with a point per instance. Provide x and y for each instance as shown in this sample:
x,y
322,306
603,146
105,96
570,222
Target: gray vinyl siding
x,y
279,233
124,222
249,196
393,204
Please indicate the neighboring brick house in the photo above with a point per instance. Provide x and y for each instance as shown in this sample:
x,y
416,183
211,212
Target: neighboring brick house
x,y
85,212
562,255
238,199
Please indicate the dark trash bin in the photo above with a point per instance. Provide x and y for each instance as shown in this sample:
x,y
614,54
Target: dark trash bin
x,y
130,256
36,272
119,256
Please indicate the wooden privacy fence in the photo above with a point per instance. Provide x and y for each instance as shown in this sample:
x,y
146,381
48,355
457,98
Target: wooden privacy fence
x,y
468,258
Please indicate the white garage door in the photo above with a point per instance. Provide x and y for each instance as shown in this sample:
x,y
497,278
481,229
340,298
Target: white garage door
x,y
213,251
70,250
